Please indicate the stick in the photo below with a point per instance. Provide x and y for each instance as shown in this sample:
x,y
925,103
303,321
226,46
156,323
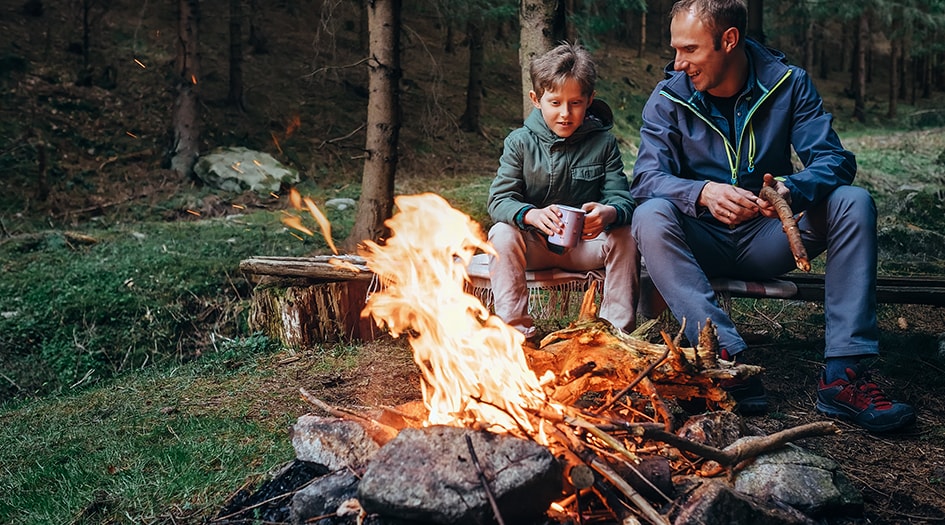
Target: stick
x,y
788,223
747,449
378,431
484,481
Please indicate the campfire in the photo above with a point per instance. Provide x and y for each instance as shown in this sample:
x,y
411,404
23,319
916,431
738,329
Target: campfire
x,y
593,410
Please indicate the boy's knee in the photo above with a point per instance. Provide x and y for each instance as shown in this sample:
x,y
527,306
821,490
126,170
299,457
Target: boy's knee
x,y
503,235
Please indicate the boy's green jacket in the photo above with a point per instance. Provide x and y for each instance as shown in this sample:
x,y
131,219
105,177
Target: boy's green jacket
x,y
538,168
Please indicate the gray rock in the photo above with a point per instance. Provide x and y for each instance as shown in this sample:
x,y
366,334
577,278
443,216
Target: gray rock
x,y
428,475
332,442
323,496
812,484
714,502
239,169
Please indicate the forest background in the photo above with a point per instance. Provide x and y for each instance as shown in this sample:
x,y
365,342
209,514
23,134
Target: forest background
x,y
132,387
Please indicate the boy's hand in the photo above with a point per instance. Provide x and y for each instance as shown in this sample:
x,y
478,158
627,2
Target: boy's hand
x,y
547,220
598,217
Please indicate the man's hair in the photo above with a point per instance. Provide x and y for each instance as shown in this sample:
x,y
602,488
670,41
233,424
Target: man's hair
x,y
550,70
717,15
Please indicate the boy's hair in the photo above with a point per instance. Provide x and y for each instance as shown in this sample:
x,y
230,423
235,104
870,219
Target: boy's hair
x,y
717,15
550,70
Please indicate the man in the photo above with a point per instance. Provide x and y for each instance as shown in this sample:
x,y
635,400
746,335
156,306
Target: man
x,y
722,123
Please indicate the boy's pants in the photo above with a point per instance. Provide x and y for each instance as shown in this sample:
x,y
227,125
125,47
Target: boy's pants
x,y
519,250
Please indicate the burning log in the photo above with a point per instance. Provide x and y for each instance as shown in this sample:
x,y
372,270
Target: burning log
x,y
618,359
788,222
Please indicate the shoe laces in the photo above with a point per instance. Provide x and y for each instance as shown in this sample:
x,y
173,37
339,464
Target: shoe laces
x,y
869,390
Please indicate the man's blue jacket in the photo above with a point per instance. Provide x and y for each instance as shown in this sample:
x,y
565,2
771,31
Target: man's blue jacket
x,y
684,141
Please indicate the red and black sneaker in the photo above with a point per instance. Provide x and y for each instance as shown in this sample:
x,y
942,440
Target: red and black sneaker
x,y
861,401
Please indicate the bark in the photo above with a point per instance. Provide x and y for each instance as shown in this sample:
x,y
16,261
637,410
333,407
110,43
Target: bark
x,y
470,121
895,58
859,72
383,123
186,108
641,44
809,42
536,19
235,95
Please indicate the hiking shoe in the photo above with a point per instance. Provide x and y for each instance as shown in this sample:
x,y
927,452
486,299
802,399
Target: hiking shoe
x,y
748,393
859,400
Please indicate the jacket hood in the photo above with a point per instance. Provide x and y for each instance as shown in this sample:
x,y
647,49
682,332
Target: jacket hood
x,y
599,117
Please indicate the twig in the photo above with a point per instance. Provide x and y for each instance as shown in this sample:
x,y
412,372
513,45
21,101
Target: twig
x,y
378,431
788,223
744,450
644,373
484,481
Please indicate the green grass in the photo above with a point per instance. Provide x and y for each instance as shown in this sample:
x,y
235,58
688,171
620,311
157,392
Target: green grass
x,y
183,438
144,293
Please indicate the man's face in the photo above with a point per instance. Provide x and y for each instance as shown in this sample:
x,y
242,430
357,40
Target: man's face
x,y
563,109
707,67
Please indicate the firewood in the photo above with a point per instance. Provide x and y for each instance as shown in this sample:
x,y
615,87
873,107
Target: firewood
x,y
788,223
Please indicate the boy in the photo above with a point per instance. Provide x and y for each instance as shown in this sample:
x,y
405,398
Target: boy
x,y
563,155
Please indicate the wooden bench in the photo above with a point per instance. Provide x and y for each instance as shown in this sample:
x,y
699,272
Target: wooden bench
x,y
889,290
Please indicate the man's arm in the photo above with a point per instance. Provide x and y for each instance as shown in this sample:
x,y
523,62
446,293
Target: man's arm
x,y
827,164
658,164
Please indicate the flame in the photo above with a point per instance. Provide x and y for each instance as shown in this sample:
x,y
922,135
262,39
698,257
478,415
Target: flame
x,y
473,367
293,221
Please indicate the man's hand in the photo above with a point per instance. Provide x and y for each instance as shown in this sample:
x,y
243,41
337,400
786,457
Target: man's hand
x,y
764,206
730,204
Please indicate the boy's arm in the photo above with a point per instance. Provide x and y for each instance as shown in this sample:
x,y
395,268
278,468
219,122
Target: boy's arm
x,y
507,193
615,191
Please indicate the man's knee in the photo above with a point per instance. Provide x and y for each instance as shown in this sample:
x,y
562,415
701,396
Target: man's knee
x,y
651,212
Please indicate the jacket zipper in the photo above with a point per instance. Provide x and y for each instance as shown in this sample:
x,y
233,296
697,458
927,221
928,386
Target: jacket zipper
x,y
733,155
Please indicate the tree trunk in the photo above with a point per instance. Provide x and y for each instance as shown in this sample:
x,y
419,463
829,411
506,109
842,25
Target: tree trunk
x,y
641,44
809,44
859,93
186,109
471,117
895,59
383,123
235,95
536,18
756,27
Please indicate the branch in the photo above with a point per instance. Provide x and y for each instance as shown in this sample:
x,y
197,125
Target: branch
x,y
378,431
788,223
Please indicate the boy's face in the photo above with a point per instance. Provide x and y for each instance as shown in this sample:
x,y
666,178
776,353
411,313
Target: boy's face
x,y
563,109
